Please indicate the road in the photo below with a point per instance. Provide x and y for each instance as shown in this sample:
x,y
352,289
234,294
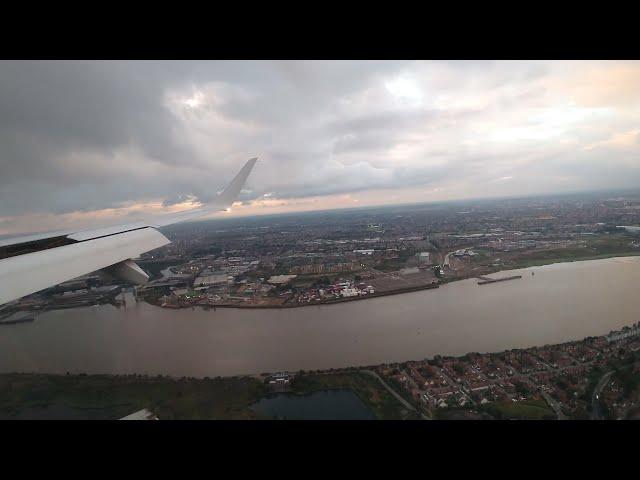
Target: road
x,y
411,380
596,413
555,405
445,262
455,384
394,393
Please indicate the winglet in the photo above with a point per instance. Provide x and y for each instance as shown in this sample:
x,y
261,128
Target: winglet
x,y
229,194
222,202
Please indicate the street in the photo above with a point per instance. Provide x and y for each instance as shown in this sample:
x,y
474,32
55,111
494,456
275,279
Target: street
x,y
596,413
394,393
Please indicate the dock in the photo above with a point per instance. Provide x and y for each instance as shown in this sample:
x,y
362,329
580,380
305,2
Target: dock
x,y
486,280
14,319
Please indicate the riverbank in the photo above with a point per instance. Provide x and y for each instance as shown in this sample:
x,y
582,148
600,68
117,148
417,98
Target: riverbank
x,y
111,397
315,304
528,263
537,388
450,320
370,391
446,280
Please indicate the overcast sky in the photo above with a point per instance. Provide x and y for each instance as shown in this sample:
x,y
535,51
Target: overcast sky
x,y
88,143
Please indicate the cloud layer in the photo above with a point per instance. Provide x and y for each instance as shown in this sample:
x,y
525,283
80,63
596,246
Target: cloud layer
x,y
88,141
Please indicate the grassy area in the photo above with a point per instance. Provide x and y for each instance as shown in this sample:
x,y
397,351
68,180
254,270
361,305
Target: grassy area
x,y
525,410
400,390
459,414
563,255
306,280
105,397
604,246
383,405
633,413
394,264
625,374
113,397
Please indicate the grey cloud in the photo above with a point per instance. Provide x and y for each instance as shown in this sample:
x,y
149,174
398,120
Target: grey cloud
x,y
383,121
95,105
92,135
175,199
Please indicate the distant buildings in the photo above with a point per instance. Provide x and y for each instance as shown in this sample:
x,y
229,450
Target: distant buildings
x,y
464,252
423,257
143,414
626,332
630,229
211,279
409,271
350,292
178,292
311,268
281,279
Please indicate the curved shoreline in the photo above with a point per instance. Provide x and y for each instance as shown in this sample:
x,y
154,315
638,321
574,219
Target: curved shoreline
x,y
327,302
398,291
560,303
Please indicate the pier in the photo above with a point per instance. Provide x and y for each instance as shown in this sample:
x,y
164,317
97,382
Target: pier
x,y
485,280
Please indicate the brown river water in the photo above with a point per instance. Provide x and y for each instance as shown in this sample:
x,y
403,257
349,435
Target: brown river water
x,y
561,302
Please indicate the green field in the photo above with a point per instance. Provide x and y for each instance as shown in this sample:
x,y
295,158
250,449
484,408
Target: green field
x,y
525,410
113,397
383,405
459,414
606,246
107,397
555,256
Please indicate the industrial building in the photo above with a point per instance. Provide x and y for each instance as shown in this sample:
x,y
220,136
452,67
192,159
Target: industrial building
x,y
212,279
281,279
143,414
423,257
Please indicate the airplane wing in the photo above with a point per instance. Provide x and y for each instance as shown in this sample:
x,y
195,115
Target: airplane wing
x,y
35,262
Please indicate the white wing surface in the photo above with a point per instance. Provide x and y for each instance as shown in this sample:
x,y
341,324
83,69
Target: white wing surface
x,y
31,263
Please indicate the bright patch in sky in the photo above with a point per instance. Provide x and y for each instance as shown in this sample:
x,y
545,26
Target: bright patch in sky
x,y
195,100
404,88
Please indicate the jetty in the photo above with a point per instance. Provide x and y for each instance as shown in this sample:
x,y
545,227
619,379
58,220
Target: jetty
x,y
17,318
486,280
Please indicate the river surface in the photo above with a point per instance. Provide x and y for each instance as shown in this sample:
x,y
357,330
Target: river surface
x,y
561,302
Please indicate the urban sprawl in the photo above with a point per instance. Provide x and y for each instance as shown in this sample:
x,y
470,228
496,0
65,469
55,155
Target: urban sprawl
x,y
297,260
308,259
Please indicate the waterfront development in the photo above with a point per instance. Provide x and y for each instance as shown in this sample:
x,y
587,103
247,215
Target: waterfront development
x,y
301,260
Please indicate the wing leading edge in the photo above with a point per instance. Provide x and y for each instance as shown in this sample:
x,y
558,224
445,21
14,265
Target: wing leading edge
x,y
30,264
